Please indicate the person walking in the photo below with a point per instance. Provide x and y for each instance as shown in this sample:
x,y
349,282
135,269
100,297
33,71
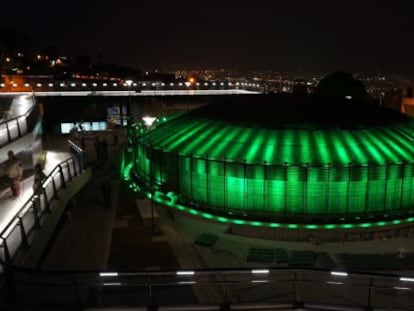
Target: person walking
x,y
38,178
14,172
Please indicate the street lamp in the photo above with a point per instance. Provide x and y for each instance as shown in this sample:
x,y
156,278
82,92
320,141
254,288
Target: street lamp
x,y
149,121
128,112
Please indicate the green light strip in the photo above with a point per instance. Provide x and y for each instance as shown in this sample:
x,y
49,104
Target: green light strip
x,y
159,198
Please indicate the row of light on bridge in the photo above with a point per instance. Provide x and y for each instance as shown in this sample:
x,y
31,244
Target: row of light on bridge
x,y
255,272
144,84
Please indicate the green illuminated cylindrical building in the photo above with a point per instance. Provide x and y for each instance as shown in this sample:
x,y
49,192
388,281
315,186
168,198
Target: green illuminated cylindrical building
x,y
283,158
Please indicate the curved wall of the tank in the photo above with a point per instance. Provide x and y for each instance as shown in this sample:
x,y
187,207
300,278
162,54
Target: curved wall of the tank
x,y
269,190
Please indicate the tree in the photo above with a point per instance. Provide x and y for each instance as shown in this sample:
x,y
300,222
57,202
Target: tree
x,y
341,84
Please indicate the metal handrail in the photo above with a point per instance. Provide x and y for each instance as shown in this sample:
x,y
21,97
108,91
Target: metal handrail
x,y
223,279
26,114
16,120
75,146
46,181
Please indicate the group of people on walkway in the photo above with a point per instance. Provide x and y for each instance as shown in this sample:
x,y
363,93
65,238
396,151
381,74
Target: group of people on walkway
x,y
14,173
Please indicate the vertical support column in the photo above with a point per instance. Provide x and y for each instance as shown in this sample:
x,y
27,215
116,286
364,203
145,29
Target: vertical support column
x,y
69,171
8,132
35,209
62,176
369,298
19,132
225,305
150,295
298,303
76,292
7,256
23,233
78,159
55,192
75,171
47,203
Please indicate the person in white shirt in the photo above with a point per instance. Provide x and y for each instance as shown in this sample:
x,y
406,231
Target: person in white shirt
x,y
14,172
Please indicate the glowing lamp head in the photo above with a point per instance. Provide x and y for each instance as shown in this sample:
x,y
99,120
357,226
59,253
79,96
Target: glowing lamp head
x,y
149,120
129,82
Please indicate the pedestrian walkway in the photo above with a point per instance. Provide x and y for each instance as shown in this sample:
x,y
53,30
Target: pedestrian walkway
x,y
9,206
16,124
84,233
20,144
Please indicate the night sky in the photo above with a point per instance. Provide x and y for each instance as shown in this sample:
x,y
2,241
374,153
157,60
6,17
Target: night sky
x,y
317,36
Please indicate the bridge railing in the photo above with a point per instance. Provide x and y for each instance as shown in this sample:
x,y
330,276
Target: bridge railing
x,y
137,86
19,232
215,288
14,128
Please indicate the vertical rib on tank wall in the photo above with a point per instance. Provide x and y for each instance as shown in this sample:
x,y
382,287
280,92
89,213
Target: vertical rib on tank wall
x,y
263,189
407,196
376,188
216,174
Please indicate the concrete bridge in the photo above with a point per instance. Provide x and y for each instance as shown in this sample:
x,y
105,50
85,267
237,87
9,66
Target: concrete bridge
x,y
142,93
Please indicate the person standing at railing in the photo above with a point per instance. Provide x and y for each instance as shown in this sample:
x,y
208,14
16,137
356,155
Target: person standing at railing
x,y
38,179
14,172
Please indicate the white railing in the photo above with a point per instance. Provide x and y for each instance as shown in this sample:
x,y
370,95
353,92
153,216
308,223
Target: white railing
x,y
14,128
220,289
19,231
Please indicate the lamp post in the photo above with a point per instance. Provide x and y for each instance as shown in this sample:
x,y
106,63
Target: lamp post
x,y
128,110
149,121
